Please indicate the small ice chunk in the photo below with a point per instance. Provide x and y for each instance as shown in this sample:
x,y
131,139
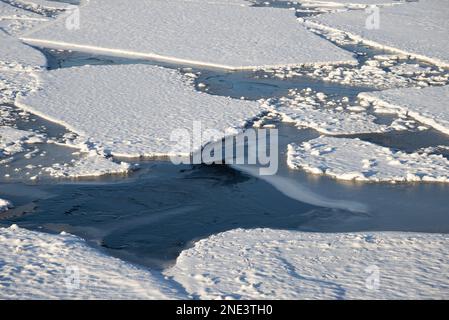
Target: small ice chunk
x,y
353,159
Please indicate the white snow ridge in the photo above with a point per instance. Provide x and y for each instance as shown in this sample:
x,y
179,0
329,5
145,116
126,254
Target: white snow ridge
x,y
353,159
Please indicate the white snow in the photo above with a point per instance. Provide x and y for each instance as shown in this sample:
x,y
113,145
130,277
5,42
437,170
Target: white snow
x,y
274,264
38,4
87,164
381,71
16,80
339,3
221,2
7,10
131,110
353,159
213,35
237,264
428,105
418,28
353,1
310,109
13,50
328,121
18,66
90,165
16,19
12,140
4,205
44,8
36,265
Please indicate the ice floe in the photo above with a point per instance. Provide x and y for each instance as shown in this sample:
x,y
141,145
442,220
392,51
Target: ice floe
x,y
418,28
330,122
380,71
18,66
26,148
350,1
131,110
36,4
15,20
47,8
306,108
214,35
90,165
237,264
221,2
13,50
353,159
44,266
275,264
428,105
16,80
12,140
340,3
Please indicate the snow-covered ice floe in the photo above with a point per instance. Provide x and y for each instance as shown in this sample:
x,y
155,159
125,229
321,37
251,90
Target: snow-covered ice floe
x,y
16,80
197,33
37,5
12,140
328,121
417,28
274,264
13,50
342,3
306,108
43,8
245,264
20,67
14,20
428,105
221,2
353,159
37,265
19,64
89,165
131,110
